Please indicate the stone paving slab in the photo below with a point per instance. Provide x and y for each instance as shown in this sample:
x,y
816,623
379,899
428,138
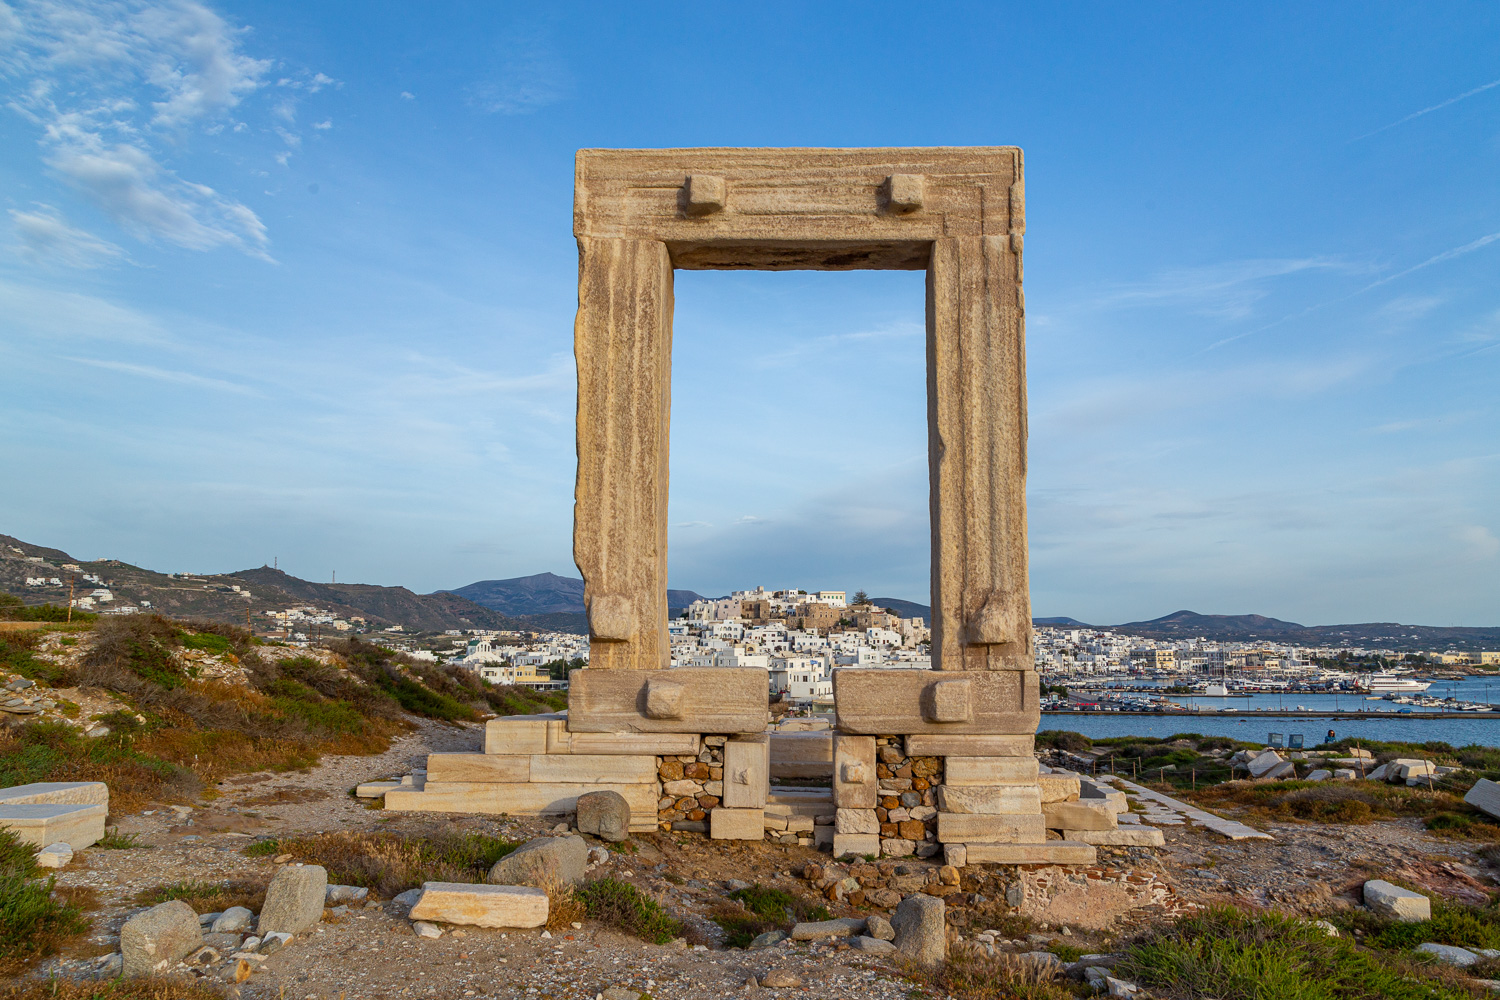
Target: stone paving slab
x,y
1232,829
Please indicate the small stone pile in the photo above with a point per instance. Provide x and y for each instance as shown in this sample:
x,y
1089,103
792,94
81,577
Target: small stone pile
x,y
691,786
907,809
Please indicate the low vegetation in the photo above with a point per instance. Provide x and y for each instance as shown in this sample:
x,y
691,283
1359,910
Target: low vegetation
x,y
389,863
206,897
972,974
34,921
618,904
114,989
758,909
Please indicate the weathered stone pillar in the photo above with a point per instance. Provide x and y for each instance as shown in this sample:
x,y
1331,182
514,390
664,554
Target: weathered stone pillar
x,y
623,346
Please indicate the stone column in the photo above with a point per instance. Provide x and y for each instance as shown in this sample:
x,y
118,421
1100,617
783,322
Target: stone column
x,y
623,346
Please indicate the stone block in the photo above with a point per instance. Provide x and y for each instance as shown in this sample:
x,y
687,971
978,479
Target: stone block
x,y
522,799
823,836
1263,762
1319,775
560,741
1485,796
802,754
542,860
605,815
971,828
1285,770
708,700
160,937
478,767
921,929
943,745
1396,902
897,847
854,780
880,701
784,801
990,770
861,844
1405,769
989,800
478,905
294,900
818,930
1049,852
1343,774
1092,792
235,920
1081,815
1138,836
43,823
54,855
517,734
1059,787
736,824
69,793
374,789
747,772
856,821
956,855
1450,954
591,769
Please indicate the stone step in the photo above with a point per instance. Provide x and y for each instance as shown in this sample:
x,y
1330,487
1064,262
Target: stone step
x,y
521,799
1052,852
1135,837
479,905
43,823
76,793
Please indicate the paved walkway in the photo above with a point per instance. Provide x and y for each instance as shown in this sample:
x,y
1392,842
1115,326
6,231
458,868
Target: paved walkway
x,y
1163,810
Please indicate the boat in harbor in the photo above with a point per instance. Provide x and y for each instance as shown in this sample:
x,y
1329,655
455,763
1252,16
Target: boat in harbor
x,y
1389,683
1216,691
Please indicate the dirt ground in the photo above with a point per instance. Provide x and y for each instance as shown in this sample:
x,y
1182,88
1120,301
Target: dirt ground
x,y
372,953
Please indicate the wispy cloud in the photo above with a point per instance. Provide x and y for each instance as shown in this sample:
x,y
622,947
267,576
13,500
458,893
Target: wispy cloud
x,y
528,76
166,375
1429,110
1227,290
45,237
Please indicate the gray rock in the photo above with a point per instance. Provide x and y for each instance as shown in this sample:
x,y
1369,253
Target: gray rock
x,y
423,929
768,939
1119,988
872,945
274,942
233,920
250,944
604,814
780,979
620,993
294,900
538,861
1326,927
54,856
207,955
1449,954
345,894
1095,975
159,937
110,965
1394,901
598,855
207,919
407,899
818,929
1045,960
736,884
877,926
921,931
223,942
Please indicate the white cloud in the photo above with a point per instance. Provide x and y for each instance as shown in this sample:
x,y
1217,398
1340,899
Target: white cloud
x,y
166,375
45,237
1479,540
407,95
529,76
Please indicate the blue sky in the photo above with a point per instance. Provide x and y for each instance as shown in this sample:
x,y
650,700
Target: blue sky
x,y
297,281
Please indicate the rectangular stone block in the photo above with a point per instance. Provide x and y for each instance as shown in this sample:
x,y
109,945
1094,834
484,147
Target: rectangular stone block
x,y
73,793
956,855
802,755
517,734
1485,796
1058,787
1080,815
478,767
989,800
736,824
747,772
560,741
862,844
522,799
591,769
479,905
856,821
375,789
934,745
1142,836
880,701
684,700
1051,852
42,824
897,847
854,779
799,801
973,828
823,836
990,770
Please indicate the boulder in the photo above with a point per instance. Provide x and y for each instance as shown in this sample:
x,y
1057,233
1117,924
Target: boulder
x,y
767,939
1449,954
346,894
818,929
921,929
161,936
294,900
1263,762
604,814
481,905
1318,775
536,862
1485,796
878,927
234,920
1394,901
872,945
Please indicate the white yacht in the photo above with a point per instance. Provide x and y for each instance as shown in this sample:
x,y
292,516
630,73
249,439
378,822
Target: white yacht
x,y
1387,683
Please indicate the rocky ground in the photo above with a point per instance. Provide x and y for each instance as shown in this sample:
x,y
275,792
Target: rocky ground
x,y
372,951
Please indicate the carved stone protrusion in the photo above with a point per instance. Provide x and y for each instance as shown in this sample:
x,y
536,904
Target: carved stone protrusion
x,y
612,618
703,194
664,699
987,628
905,192
854,772
952,701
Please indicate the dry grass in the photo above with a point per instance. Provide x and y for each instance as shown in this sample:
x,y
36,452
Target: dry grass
x,y
563,905
206,897
972,974
117,989
389,863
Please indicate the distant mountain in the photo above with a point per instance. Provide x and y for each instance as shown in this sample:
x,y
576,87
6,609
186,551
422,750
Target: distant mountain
x,y
425,612
1248,628
1189,623
544,594
904,609
1060,623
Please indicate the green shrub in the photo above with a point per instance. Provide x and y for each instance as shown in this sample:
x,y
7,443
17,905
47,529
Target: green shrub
x,y
33,924
208,643
619,904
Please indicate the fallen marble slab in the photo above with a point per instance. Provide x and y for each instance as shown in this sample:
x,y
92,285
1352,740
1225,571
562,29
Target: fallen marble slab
x,y
1232,829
